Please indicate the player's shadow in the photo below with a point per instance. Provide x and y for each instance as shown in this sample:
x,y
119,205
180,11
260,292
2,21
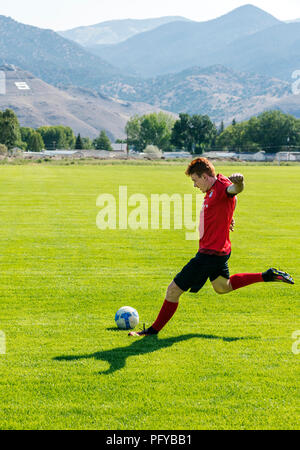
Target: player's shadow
x,y
117,357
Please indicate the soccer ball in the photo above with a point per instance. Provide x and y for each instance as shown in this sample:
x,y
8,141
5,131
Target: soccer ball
x,y
127,318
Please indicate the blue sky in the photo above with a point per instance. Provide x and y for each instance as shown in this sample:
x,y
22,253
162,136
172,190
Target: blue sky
x,y
65,14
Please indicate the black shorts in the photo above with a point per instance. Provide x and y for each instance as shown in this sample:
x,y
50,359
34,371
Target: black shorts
x,y
195,274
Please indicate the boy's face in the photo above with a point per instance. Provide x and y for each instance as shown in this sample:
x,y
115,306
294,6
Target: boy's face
x,y
200,182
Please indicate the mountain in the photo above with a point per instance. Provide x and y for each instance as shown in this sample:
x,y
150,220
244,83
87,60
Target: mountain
x,y
105,97
114,31
37,103
220,92
274,51
49,56
289,105
178,45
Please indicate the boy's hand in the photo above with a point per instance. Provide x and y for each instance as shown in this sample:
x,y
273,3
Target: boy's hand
x,y
237,178
237,186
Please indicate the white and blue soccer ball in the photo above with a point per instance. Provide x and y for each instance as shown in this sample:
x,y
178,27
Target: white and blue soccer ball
x,y
127,318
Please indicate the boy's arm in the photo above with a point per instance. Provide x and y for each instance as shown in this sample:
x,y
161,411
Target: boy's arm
x,y
237,185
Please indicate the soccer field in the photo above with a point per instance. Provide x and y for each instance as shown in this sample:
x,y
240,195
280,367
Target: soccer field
x,y
222,362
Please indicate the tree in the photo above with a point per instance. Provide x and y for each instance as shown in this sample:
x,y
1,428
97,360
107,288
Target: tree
x,y
79,144
87,143
150,129
253,132
203,132
222,128
269,131
297,126
57,137
156,130
132,130
10,134
69,137
181,133
36,143
274,130
193,133
102,142
3,150
237,138
26,133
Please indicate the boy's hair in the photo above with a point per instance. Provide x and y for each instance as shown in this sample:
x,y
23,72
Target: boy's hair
x,y
200,166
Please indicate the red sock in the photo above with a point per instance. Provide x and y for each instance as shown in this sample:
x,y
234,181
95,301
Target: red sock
x,y
244,279
166,313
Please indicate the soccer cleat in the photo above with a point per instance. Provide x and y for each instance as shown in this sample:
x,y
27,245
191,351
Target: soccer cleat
x,y
277,275
145,332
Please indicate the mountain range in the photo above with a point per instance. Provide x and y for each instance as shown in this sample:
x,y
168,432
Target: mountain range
x,y
115,31
246,39
49,56
235,66
221,93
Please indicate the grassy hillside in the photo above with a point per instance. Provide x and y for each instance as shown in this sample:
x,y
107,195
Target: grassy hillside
x,y
49,56
220,92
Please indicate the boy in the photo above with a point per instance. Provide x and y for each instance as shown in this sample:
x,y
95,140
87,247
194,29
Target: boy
x,y
211,261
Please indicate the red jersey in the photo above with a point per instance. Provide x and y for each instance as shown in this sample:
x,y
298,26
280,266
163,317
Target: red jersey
x,y
215,218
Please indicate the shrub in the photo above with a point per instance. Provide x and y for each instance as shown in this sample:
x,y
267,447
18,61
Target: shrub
x,y
3,149
153,152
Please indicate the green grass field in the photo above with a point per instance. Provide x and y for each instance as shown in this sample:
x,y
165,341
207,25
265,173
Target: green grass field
x,y
223,362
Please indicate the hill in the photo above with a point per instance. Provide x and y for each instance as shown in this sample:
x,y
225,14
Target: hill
x,y
220,92
289,105
49,56
37,103
114,31
106,97
274,51
178,45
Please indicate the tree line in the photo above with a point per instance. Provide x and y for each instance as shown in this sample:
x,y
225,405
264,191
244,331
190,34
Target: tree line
x,y
270,131
46,137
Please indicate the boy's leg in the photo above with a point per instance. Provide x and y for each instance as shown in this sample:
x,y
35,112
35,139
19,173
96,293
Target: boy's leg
x,y
192,276
244,279
166,313
222,285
